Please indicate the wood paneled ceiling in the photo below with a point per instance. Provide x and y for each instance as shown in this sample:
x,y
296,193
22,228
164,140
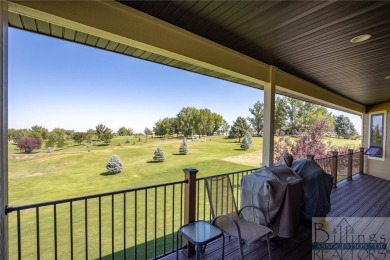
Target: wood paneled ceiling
x,y
309,39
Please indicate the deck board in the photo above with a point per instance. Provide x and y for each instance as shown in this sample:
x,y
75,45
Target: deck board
x,y
365,196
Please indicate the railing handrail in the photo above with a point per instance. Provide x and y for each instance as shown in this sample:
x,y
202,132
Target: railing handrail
x,y
339,155
10,209
228,173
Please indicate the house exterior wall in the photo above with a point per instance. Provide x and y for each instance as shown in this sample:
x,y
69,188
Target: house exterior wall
x,y
379,168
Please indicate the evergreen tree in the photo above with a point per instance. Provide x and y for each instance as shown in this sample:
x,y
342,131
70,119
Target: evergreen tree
x,y
114,164
239,128
159,155
247,141
183,147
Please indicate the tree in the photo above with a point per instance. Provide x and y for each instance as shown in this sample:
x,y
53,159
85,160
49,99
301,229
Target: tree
x,y
204,122
187,120
280,114
39,132
218,121
130,131
183,147
104,133
301,115
240,126
308,142
294,111
57,137
89,136
225,127
148,131
19,134
123,131
257,116
114,164
159,155
343,127
79,137
28,144
247,141
311,113
107,136
11,133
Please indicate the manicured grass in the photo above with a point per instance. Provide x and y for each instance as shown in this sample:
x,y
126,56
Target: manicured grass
x,y
73,171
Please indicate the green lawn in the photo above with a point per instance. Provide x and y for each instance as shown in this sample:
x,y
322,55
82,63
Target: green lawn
x,y
74,171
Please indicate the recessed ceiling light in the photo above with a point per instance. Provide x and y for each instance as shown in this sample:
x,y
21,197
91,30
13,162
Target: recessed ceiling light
x,y
387,77
361,38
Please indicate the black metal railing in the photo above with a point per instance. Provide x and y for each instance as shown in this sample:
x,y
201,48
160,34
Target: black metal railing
x,y
342,166
137,223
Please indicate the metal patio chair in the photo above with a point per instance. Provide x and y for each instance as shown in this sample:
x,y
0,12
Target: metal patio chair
x,y
226,216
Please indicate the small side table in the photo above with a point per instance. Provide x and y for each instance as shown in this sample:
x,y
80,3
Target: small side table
x,y
199,233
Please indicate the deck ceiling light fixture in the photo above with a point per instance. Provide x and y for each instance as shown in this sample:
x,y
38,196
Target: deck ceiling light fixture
x,y
387,77
361,38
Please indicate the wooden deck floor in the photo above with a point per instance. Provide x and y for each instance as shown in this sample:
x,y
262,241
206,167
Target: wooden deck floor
x,y
365,196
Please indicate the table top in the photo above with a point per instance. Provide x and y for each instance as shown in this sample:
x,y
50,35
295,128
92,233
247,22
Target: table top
x,y
200,231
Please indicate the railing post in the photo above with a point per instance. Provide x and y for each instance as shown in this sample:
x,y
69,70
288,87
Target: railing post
x,y
334,167
361,160
190,203
3,129
310,157
350,161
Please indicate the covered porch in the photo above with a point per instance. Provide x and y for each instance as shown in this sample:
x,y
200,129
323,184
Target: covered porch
x,y
365,196
299,49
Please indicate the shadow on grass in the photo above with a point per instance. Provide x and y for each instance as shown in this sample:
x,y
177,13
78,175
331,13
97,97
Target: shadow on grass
x,y
178,154
154,161
151,250
240,149
108,173
102,145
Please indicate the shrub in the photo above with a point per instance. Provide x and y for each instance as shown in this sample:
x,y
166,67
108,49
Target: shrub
x,y
114,164
183,147
128,141
159,155
247,141
308,142
28,144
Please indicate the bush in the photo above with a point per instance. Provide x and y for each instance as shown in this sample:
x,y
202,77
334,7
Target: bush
x,y
183,147
247,141
114,164
28,144
159,155
308,142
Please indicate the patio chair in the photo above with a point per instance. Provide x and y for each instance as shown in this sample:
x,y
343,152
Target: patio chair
x,y
226,216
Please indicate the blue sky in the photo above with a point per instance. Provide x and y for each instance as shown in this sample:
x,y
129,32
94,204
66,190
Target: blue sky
x,y
55,83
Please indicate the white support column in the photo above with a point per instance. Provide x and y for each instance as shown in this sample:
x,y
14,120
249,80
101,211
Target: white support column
x,y
3,128
269,118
